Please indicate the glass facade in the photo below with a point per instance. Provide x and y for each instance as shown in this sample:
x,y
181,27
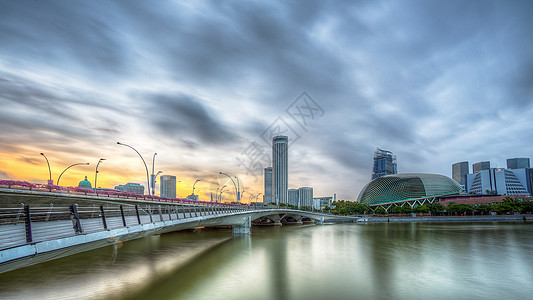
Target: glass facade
x,y
407,186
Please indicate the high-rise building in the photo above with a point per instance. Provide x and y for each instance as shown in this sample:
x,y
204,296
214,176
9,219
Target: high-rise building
x,y
167,186
459,171
280,169
499,181
305,197
518,163
479,166
267,197
293,197
384,163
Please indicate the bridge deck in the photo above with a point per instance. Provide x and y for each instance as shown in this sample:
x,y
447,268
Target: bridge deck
x,y
39,226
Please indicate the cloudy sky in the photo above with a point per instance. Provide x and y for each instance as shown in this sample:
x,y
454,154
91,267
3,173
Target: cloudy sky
x,y
205,84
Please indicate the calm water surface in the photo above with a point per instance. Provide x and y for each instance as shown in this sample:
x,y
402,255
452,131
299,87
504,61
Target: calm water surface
x,y
342,261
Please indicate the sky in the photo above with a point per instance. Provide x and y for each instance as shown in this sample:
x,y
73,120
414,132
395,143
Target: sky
x,y
206,84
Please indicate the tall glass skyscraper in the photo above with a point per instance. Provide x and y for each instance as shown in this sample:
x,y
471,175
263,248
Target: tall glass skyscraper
x,y
518,163
384,163
167,186
459,171
280,169
480,166
267,197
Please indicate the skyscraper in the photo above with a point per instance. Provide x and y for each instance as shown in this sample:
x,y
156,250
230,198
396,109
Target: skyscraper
x,y
293,197
267,197
167,186
518,163
459,171
479,166
384,163
280,170
305,197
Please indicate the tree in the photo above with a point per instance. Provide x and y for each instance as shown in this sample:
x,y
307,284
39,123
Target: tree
x,y
422,209
380,211
436,208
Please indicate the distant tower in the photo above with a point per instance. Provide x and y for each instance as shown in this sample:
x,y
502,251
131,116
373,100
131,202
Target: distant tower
x,y
305,197
167,186
459,171
518,163
267,197
479,166
280,170
293,197
384,163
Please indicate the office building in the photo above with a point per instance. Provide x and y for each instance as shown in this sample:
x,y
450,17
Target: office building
x,y
267,195
167,186
500,181
384,163
293,197
305,197
321,202
133,188
280,170
518,163
459,171
479,166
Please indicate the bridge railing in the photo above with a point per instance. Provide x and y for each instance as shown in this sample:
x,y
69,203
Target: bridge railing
x,y
25,223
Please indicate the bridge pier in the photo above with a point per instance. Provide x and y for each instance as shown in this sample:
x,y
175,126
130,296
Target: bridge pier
x,y
243,228
320,221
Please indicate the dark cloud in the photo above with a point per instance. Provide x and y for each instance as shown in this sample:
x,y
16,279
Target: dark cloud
x,y
385,72
184,117
70,35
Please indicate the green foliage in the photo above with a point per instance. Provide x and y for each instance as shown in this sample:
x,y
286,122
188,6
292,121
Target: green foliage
x,y
422,209
351,208
380,211
436,208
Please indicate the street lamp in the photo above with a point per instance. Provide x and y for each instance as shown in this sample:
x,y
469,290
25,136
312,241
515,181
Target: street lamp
x,y
177,196
49,170
256,198
221,191
96,172
147,177
69,168
236,189
153,176
193,186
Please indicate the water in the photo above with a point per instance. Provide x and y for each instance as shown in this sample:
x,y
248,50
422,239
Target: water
x,y
342,261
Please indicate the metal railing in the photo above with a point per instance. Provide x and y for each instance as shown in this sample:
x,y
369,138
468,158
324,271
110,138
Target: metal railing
x,y
23,224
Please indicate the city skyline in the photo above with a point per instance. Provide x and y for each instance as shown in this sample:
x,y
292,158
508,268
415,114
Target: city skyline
x,y
199,83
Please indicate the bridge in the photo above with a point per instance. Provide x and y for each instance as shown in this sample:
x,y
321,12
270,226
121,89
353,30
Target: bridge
x,y
39,225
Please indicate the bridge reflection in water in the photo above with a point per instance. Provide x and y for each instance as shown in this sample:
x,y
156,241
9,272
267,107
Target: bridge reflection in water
x,y
37,226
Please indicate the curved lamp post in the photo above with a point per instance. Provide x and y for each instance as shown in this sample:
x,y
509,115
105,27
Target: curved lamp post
x,y
177,196
256,198
221,191
96,172
57,183
49,170
147,176
220,196
236,189
153,176
194,185
154,179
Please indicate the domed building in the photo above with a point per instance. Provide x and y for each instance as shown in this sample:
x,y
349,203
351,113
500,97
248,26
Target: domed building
x,y
86,184
404,187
